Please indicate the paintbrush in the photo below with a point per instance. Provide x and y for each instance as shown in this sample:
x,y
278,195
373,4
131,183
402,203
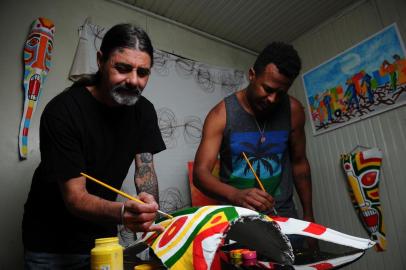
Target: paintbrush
x,y
120,192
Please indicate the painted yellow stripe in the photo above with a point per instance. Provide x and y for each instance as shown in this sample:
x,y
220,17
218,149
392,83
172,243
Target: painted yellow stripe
x,y
356,189
184,231
210,224
187,258
185,261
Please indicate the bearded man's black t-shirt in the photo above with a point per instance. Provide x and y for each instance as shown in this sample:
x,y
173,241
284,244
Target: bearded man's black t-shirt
x,y
80,134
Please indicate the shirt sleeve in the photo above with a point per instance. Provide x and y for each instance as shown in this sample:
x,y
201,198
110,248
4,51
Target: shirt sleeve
x,y
151,139
61,148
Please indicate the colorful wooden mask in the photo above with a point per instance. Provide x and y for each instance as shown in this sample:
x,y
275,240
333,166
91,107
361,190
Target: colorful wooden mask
x,y
191,239
362,170
194,237
37,62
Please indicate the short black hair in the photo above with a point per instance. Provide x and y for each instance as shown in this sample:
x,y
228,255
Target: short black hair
x,y
127,36
283,55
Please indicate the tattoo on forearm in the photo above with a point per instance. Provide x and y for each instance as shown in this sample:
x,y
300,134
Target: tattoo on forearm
x,y
145,177
150,185
144,170
146,157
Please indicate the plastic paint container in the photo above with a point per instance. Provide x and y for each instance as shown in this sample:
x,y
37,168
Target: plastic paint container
x,y
249,255
236,256
237,253
107,254
236,261
147,266
249,258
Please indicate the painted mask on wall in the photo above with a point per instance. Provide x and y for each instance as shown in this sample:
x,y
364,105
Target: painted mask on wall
x,y
37,62
362,170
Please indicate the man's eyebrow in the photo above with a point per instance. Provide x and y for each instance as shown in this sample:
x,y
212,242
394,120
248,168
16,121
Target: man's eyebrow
x,y
273,88
122,64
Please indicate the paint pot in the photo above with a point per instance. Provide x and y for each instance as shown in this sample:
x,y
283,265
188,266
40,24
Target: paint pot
x,y
249,258
236,256
236,261
237,253
147,266
107,254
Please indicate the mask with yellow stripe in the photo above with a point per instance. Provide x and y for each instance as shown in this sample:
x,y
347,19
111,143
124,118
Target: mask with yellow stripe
x,y
362,170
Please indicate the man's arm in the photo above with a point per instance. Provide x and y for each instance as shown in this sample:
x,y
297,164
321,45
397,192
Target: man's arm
x,y
205,159
145,177
300,164
136,216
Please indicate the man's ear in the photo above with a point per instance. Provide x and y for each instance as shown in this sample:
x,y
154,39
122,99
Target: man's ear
x,y
251,74
99,59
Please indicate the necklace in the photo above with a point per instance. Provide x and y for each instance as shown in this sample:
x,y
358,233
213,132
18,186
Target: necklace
x,y
262,132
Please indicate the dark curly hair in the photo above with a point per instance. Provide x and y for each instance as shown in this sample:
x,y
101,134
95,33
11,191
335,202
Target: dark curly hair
x,y
283,55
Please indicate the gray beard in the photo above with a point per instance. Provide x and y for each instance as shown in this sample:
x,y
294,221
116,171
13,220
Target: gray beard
x,y
124,99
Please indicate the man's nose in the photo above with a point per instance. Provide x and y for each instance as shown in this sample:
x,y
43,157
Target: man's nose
x,y
272,98
133,78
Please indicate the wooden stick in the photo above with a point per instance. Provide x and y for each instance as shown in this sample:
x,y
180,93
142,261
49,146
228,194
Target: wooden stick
x,y
253,171
257,178
120,192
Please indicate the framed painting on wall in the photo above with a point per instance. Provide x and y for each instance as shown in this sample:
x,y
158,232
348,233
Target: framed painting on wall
x,y
366,79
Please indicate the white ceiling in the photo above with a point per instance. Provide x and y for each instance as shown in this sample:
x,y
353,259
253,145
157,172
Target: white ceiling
x,y
250,24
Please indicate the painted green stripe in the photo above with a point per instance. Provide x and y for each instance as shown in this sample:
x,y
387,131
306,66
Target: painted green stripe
x,y
270,184
230,213
367,168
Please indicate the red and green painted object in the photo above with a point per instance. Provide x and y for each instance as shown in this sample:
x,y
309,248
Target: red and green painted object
x,y
37,62
194,238
363,171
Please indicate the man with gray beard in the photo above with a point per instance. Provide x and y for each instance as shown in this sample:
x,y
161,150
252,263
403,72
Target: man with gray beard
x,y
97,126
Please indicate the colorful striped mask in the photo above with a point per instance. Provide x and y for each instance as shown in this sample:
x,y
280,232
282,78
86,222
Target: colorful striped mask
x,y
193,239
362,170
37,62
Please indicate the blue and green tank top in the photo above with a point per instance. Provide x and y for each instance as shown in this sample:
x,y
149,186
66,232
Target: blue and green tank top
x,y
269,157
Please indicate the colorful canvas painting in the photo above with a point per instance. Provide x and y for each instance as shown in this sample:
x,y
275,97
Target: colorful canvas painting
x,y
363,81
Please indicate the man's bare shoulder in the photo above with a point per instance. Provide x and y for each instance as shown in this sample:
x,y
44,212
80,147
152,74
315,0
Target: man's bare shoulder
x,y
297,112
295,104
219,110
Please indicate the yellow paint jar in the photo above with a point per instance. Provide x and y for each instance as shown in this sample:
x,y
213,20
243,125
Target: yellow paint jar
x,y
147,266
107,254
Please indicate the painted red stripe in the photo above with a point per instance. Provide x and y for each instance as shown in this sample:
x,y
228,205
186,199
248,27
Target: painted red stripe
x,y
323,266
372,159
315,229
280,219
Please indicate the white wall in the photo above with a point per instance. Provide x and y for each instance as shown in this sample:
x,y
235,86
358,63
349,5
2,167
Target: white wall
x,y
386,131
16,18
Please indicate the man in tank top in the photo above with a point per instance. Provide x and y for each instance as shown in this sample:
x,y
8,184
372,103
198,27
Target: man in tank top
x,y
266,124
